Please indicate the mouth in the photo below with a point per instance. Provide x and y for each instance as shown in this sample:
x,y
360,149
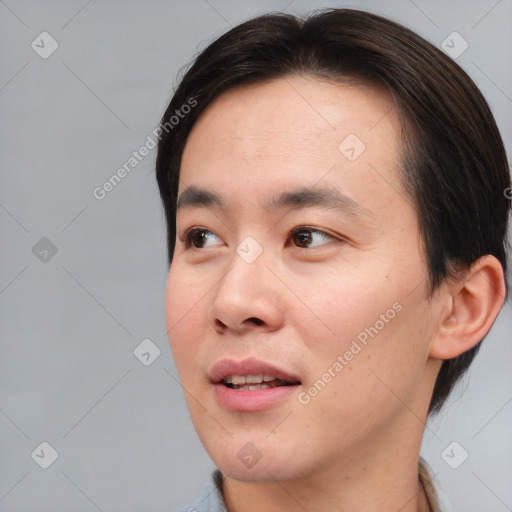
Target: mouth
x,y
251,384
254,382
250,374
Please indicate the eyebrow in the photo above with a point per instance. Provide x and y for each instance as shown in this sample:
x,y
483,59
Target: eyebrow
x,y
324,197
194,196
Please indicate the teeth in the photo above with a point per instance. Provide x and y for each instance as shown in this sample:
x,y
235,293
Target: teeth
x,y
254,379
252,387
252,382
247,379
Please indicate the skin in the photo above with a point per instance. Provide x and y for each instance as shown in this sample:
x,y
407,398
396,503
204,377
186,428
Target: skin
x,y
355,445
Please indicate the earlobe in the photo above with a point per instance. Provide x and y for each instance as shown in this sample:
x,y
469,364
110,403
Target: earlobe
x,y
475,300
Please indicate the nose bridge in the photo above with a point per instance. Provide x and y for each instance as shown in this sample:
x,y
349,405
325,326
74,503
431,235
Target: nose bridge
x,y
246,293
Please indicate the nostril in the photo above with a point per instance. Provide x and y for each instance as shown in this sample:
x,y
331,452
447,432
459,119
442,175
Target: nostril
x,y
220,324
220,327
255,320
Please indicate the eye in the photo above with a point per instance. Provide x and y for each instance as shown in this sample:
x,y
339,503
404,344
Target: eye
x,y
198,238
305,237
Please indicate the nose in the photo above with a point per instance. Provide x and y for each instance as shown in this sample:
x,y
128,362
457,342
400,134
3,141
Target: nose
x,y
247,298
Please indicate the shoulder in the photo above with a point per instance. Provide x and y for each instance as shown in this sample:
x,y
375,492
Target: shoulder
x,y
435,494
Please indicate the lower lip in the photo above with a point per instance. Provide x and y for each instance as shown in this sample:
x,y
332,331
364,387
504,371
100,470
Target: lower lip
x,y
252,400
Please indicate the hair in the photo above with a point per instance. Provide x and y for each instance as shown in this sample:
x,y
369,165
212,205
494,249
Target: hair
x,y
454,165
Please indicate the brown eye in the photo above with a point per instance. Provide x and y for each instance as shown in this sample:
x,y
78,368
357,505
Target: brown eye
x,y
198,238
306,238
302,238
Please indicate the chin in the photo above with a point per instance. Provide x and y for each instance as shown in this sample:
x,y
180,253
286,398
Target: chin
x,y
262,471
248,460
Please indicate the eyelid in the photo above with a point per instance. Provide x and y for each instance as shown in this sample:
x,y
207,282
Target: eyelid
x,y
310,228
187,235
314,229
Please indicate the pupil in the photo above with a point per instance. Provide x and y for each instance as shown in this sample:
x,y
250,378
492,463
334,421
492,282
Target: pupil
x,y
304,238
199,239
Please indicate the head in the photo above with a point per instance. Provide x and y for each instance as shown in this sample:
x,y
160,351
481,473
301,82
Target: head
x,y
348,181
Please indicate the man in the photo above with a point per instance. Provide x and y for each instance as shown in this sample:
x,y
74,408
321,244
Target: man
x,y
336,209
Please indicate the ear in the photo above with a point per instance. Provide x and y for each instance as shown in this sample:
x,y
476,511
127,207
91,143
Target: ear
x,y
473,302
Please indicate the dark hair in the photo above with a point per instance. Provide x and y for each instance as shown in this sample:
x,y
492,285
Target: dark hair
x,y
454,164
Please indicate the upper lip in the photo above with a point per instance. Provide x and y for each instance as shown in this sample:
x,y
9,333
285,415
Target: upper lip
x,y
251,366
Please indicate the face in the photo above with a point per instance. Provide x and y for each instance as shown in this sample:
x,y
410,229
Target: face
x,y
299,264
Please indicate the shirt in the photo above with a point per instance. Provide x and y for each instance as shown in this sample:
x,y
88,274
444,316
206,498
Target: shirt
x,y
211,500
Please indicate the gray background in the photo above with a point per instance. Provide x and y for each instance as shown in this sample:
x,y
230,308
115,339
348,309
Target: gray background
x,y
70,323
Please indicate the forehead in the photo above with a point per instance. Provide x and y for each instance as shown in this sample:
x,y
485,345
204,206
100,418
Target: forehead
x,y
297,130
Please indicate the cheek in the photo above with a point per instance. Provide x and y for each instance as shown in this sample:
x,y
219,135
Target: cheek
x,y
363,332
362,298
184,316
336,309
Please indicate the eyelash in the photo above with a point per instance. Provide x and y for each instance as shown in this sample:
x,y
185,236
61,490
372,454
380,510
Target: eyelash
x,y
187,236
